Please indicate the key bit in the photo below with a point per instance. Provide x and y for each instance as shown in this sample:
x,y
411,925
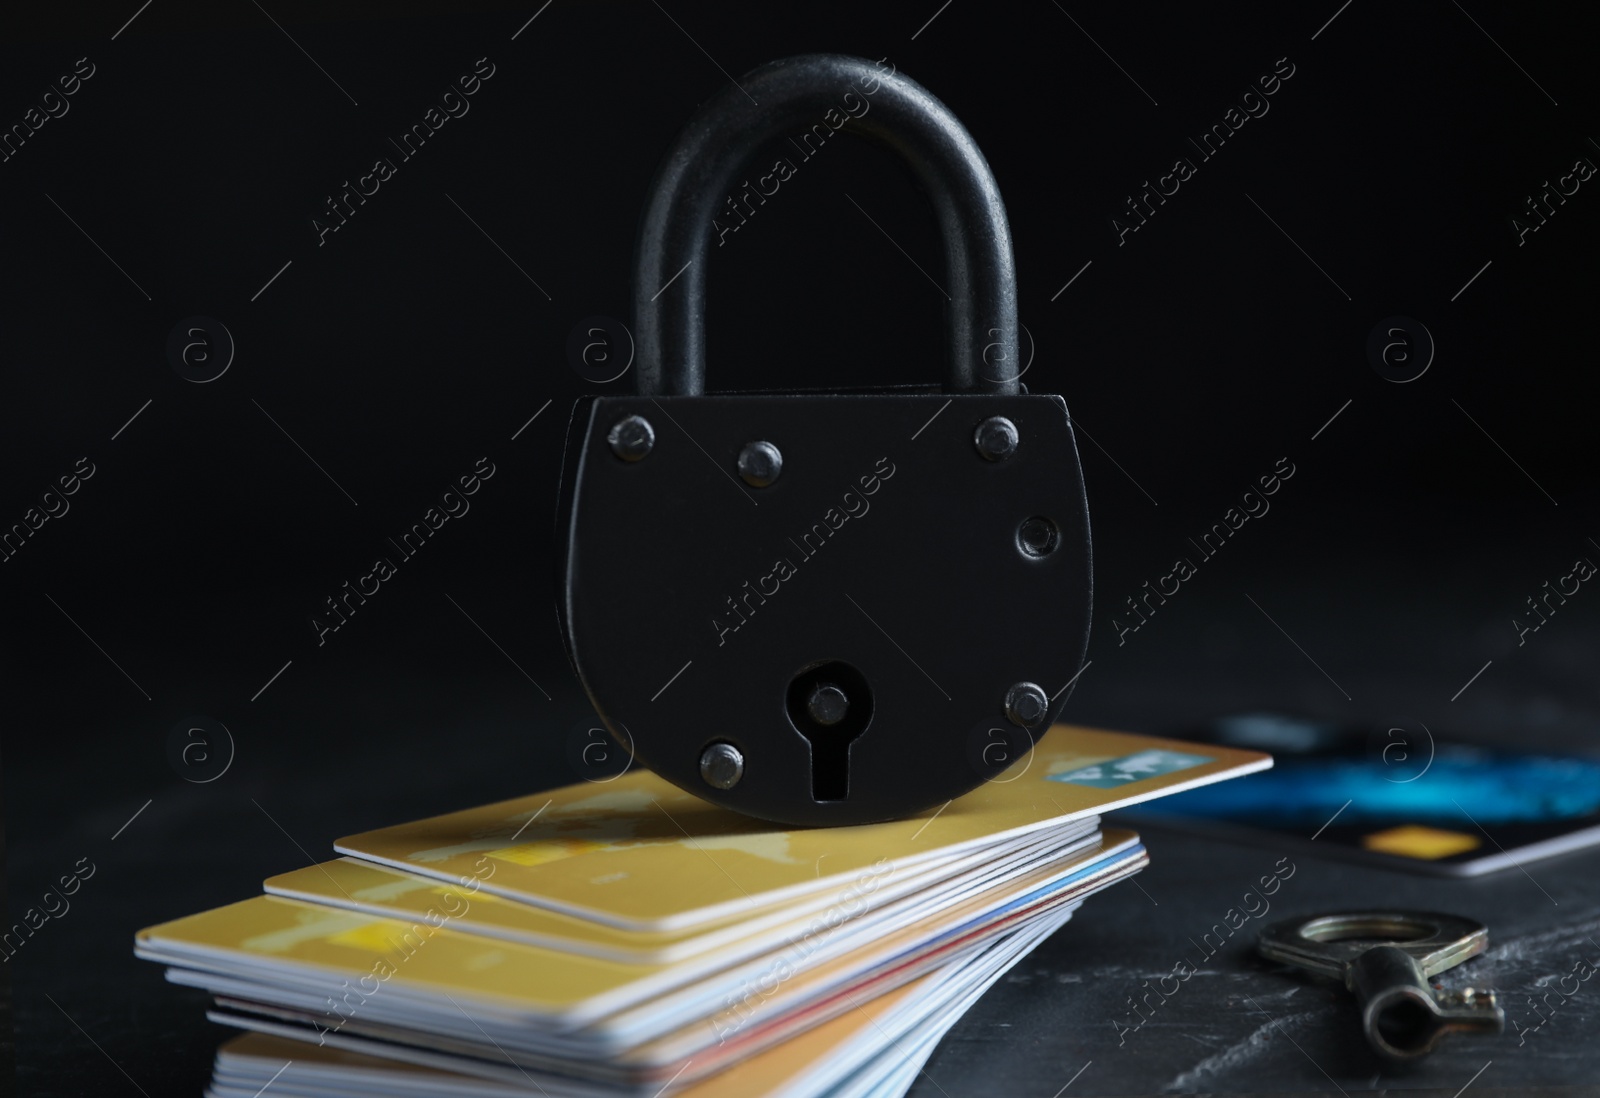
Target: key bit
x,y
1385,958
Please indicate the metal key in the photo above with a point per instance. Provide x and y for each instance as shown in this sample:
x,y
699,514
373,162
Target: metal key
x,y
1385,958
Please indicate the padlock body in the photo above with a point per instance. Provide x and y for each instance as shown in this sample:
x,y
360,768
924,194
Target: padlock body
x,y
889,554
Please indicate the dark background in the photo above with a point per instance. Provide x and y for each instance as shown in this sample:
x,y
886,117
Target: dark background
x,y
420,338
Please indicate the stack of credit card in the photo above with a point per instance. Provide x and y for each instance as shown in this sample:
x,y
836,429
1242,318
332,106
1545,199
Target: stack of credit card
x,y
627,938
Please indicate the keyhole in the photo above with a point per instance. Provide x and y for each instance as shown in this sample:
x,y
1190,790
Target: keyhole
x,y
830,705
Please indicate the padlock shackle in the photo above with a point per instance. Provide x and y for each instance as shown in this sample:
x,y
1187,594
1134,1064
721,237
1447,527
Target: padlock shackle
x,y
708,157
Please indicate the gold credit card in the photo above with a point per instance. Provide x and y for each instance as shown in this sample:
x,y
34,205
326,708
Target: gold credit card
x,y
681,1036
380,890
640,854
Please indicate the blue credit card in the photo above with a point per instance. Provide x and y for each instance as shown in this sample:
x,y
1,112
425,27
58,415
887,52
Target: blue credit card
x,y
1396,796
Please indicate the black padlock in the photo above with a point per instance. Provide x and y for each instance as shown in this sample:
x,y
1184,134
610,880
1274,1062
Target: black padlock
x,y
825,608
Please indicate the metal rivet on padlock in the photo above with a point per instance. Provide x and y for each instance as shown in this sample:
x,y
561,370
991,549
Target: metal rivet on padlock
x,y
631,438
759,464
1026,704
722,765
1038,536
843,627
996,438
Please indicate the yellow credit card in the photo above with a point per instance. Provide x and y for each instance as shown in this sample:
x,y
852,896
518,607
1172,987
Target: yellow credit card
x,y
835,1052
380,965
380,890
640,854
268,936
836,1049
